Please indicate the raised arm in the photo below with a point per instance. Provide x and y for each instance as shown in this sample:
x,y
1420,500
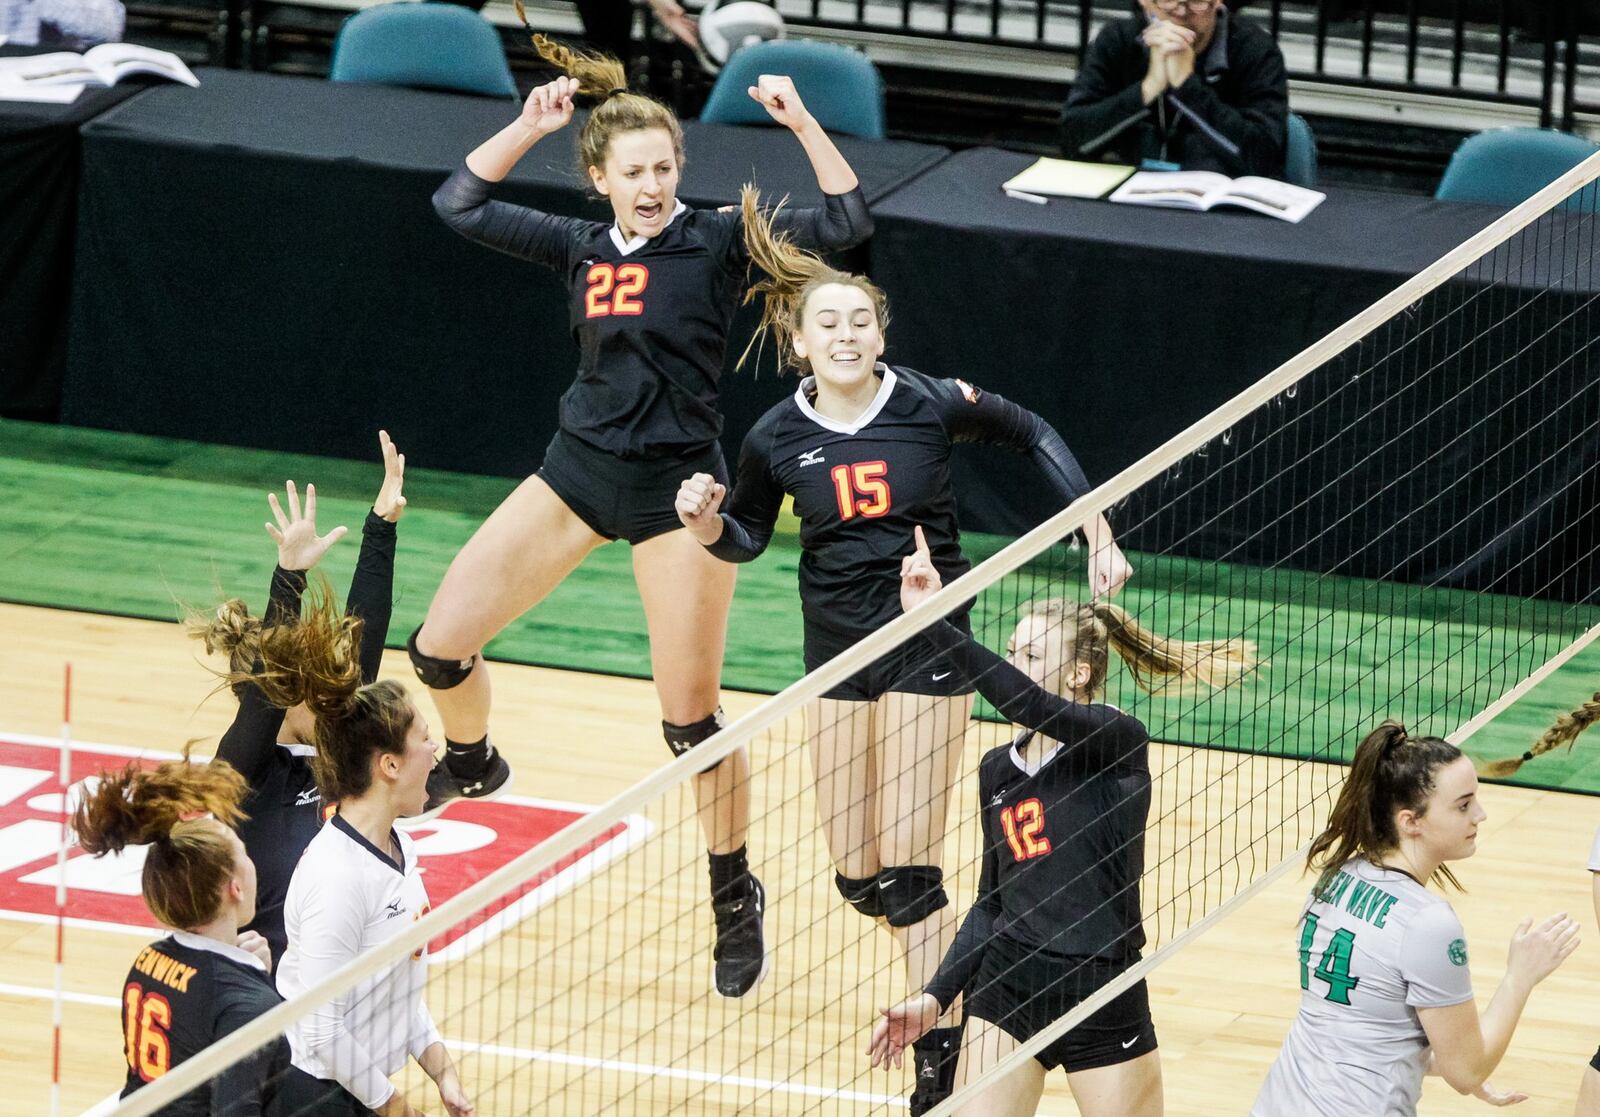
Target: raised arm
x,y
371,594
463,201
972,415
843,220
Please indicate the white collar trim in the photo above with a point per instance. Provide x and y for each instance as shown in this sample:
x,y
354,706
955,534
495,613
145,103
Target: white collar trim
x,y
885,390
233,953
1034,770
295,748
632,244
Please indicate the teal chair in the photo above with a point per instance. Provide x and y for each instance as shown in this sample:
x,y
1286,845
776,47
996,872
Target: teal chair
x,y
840,87
1300,157
1509,165
427,45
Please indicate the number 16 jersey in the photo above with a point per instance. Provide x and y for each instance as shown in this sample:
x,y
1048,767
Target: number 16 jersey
x,y
1375,946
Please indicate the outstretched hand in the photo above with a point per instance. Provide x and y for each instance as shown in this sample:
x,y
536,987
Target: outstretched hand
x,y
299,545
549,107
919,578
1493,1095
778,96
901,1026
391,502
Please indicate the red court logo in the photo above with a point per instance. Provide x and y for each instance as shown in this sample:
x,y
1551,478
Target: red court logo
x,y
466,844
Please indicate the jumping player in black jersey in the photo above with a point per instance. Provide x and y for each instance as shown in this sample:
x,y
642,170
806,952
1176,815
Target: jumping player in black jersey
x,y
652,299
864,449
272,747
205,979
1064,807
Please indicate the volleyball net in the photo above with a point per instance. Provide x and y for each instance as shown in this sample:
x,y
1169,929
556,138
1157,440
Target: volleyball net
x,y
1400,519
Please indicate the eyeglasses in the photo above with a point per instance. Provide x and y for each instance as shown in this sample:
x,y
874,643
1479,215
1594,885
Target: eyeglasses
x,y
1196,6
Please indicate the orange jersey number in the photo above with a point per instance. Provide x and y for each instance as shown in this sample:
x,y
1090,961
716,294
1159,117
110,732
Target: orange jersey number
x,y
147,1017
614,290
862,489
1022,824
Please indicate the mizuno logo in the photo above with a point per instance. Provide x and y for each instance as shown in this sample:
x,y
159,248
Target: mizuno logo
x,y
1000,798
811,457
928,1071
307,797
393,908
946,675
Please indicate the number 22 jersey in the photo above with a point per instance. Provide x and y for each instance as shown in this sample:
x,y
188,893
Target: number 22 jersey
x,y
1375,946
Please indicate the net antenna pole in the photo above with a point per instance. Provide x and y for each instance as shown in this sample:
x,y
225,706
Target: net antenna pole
x,y
64,778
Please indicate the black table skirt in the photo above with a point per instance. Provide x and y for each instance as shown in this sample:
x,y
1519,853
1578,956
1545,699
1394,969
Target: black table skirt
x,y
278,277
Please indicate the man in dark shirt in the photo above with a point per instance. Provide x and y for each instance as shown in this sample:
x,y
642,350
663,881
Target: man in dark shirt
x,y
1224,70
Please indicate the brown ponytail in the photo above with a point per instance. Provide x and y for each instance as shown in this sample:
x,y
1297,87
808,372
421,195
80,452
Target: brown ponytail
x,y
605,78
315,659
191,858
1160,665
1390,772
1564,732
792,274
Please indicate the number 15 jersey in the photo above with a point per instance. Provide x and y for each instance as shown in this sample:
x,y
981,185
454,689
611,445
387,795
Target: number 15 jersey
x,y
1375,946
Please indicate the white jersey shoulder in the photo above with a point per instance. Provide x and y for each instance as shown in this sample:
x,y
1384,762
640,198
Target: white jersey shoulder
x,y
1374,946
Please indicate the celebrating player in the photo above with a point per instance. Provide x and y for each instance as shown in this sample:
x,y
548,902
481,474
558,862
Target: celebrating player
x,y
272,747
1383,961
653,296
1064,807
206,978
357,885
864,450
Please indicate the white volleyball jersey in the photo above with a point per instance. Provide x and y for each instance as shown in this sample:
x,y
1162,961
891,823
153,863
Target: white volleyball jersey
x,y
347,896
1375,946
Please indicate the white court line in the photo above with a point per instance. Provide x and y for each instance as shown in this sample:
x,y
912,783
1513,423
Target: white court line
x,y
94,999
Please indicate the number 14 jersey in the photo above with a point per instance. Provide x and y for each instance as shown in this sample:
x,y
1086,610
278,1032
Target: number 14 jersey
x,y
1374,947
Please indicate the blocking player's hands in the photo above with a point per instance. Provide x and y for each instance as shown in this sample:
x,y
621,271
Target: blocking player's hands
x,y
699,505
1536,951
778,96
391,502
901,1026
252,942
919,578
1109,569
1492,1095
299,545
549,107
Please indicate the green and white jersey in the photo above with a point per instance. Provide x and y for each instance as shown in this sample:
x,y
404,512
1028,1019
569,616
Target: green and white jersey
x,y
1375,946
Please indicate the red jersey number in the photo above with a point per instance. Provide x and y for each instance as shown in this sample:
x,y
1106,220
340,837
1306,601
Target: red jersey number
x,y
615,290
1022,825
862,489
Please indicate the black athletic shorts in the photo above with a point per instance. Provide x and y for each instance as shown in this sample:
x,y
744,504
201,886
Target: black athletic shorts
x,y
304,1096
1022,991
619,498
913,668
1595,1062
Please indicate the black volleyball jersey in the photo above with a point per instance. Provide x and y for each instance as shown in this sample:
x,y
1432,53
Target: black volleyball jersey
x,y
860,489
1063,827
183,993
650,316
283,808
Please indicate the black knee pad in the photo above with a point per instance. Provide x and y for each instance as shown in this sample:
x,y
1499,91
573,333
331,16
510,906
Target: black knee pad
x,y
682,738
861,894
911,893
435,673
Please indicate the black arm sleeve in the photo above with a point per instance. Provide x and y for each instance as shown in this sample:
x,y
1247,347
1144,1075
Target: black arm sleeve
x,y
249,741
1259,124
961,961
463,203
753,505
240,1090
1104,94
372,591
843,222
971,415
1094,737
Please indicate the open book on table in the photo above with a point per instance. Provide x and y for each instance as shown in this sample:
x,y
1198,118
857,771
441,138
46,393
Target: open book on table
x,y
31,76
1201,190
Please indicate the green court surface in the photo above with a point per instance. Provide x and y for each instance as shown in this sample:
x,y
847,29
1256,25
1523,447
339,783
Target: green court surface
x,y
142,526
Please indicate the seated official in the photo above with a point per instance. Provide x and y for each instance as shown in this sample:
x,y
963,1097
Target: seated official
x,y
1225,70
66,23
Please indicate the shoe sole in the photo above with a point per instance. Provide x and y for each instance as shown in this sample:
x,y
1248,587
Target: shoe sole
x,y
766,965
505,788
